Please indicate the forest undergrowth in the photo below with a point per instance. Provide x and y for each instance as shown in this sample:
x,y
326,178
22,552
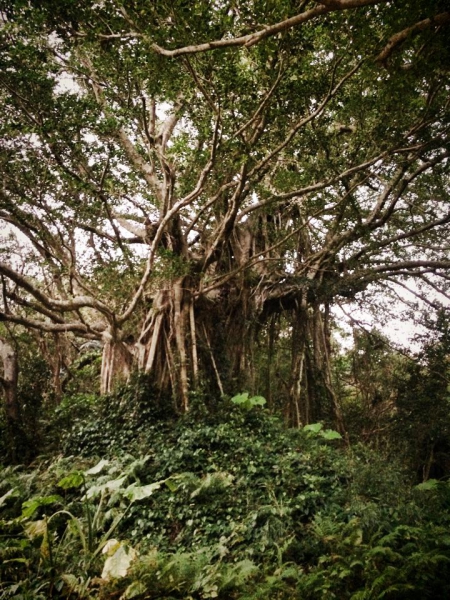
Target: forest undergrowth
x,y
134,503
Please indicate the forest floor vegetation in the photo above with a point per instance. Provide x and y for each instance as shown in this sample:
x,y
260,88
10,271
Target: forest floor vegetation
x,y
134,503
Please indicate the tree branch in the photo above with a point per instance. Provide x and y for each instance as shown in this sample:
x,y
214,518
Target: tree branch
x,y
411,264
401,36
270,30
50,327
51,303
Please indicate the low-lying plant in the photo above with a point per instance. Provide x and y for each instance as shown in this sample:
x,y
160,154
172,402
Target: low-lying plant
x,y
230,506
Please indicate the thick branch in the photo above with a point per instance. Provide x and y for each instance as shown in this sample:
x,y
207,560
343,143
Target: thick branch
x,y
401,36
257,36
50,327
165,220
411,264
51,303
397,238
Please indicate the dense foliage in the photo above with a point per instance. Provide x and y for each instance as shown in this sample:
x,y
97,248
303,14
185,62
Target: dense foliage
x,y
195,186
228,504
191,192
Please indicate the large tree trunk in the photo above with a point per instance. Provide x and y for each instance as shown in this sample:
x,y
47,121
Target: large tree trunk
x,y
189,340
312,397
167,344
117,362
298,409
9,381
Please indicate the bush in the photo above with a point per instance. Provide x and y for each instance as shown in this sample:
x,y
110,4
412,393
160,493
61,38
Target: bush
x,y
224,505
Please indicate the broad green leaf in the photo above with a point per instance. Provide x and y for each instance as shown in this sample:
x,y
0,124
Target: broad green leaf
x,y
431,484
240,398
73,480
98,467
248,402
170,483
30,506
115,484
330,434
258,400
111,486
117,565
139,492
313,427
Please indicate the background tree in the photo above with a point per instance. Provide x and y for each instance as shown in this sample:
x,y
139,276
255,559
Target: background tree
x,y
421,424
184,175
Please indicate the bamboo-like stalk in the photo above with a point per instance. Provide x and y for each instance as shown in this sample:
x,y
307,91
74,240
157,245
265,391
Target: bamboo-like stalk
x,y
106,370
169,363
216,371
180,343
154,343
193,341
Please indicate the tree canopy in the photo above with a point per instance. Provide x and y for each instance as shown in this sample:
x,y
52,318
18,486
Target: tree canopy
x,y
192,182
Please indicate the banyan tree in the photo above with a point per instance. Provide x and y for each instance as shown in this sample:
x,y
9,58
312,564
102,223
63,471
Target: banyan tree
x,y
197,184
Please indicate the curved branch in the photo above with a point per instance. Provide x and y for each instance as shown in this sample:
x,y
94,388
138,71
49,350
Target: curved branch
x,y
165,220
411,264
401,36
51,303
50,327
422,297
270,30
402,236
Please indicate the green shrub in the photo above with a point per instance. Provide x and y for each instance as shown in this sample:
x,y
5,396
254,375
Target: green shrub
x,y
223,505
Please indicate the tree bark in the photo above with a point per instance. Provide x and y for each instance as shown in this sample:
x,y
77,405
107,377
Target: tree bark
x,y
9,381
117,361
312,397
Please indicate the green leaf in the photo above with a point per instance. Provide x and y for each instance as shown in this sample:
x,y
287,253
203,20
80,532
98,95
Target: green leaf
x,y
135,589
139,492
248,402
71,581
111,486
258,400
30,506
313,427
117,565
73,480
240,398
330,434
431,484
98,467
173,487
16,560
344,573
